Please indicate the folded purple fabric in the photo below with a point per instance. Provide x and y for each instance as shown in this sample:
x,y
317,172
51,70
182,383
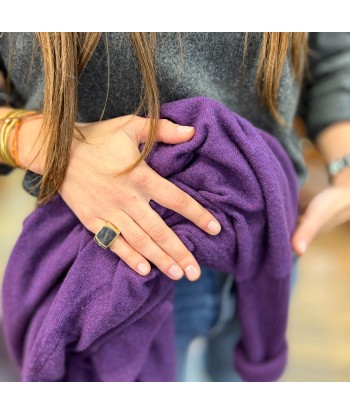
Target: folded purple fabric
x,y
76,312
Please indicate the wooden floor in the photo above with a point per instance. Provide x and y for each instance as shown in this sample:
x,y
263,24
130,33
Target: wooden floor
x,y
15,205
319,328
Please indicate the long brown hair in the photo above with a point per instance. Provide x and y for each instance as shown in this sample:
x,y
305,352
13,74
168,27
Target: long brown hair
x,y
65,55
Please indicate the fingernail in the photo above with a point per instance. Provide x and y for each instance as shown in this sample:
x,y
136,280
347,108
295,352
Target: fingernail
x,y
192,272
184,129
142,268
214,227
176,272
302,247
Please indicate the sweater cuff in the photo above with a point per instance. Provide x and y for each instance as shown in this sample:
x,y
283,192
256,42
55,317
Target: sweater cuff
x,y
31,183
333,107
266,371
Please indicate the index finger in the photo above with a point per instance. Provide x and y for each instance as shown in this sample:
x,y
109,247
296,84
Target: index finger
x,y
172,197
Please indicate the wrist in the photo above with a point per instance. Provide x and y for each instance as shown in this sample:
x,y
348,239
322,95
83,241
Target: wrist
x,y
31,148
334,144
334,141
342,179
30,144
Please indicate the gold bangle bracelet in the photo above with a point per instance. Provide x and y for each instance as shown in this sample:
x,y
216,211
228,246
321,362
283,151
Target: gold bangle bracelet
x,y
13,113
5,135
8,134
9,121
3,152
14,144
3,142
5,132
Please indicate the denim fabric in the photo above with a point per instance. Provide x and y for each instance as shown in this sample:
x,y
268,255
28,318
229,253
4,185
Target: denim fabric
x,y
205,310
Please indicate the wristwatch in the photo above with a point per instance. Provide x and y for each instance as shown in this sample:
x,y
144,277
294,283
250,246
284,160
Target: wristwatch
x,y
337,166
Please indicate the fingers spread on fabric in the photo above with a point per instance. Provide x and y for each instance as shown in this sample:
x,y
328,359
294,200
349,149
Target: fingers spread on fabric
x,y
166,238
140,248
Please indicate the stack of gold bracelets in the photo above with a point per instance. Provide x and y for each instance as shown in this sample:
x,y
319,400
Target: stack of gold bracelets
x,y
12,119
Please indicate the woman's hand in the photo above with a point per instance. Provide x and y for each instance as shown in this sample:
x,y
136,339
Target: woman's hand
x,y
96,197
331,207
327,210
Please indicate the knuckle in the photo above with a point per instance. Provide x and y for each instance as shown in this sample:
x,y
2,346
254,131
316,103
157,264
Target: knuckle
x,y
89,223
140,124
124,119
87,218
140,177
182,256
158,233
201,216
165,124
121,199
130,259
137,239
180,200
128,117
143,216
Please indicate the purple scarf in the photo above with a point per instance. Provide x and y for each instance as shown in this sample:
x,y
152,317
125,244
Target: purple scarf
x,y
76,312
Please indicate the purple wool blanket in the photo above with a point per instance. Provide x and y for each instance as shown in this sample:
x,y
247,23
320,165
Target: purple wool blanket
x,y
76,312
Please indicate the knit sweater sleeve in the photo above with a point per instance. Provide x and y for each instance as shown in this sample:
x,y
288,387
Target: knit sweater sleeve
x,y
326,95
262,309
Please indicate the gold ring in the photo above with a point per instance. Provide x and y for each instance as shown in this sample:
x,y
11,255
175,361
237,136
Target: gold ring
x,y
106,235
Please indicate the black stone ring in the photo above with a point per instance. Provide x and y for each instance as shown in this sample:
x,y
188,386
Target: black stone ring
x,y
106,235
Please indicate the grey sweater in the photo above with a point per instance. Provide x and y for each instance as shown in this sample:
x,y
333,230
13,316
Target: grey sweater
x,y
211,67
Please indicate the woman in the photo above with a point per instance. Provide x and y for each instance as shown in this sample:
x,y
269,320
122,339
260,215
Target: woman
x,y
91,77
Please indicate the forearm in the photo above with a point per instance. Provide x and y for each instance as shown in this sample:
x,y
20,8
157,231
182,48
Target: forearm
x,y
29,143
334,143
325,99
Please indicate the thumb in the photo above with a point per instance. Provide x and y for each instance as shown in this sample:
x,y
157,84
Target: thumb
x,y
305,232
309,226
171,133
167,132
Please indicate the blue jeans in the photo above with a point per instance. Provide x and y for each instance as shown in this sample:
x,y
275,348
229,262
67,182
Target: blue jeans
x,y
205,320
